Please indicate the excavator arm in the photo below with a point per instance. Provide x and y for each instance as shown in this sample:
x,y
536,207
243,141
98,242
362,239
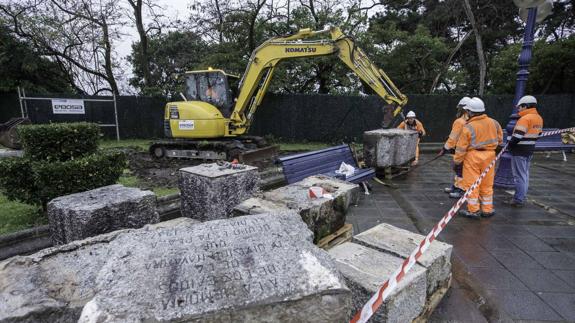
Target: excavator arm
x,y
265,58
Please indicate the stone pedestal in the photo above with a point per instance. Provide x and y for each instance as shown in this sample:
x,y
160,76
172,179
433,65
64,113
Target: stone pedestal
x,y
389,147
389,239
210,192
322,215
366,269
257,268
105,209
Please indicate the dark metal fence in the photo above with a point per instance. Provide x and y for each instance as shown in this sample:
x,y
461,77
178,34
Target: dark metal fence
x,y
299,116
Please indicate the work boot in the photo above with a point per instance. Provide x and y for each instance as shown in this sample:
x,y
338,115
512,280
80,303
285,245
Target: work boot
x,y
487,214
448,190
457,193
414,163
514,203
471,215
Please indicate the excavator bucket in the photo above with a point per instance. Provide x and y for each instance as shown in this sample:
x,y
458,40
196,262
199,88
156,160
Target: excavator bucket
x,y
8,135
259,155
392,116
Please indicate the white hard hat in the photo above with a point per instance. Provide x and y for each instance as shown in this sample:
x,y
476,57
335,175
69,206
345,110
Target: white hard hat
x,y
410,114
464,100
528,99
475,105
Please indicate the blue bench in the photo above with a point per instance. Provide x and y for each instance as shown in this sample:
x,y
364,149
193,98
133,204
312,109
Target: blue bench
x,y
325,162
551,143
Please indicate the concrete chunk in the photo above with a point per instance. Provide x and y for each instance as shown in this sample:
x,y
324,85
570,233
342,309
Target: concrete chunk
x,y
210,192
366,269
322,215
105,209
396,241
389,147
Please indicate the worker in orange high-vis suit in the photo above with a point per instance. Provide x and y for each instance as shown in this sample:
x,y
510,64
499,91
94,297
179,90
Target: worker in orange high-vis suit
x,y
474,151
411,123
455,190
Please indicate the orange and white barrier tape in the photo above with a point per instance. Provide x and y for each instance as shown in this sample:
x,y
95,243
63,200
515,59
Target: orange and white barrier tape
x,y
385,290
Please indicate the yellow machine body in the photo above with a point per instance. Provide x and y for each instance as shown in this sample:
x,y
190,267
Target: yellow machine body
x,y
196,119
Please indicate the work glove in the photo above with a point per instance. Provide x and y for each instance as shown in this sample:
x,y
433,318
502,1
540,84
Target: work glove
x,y
420,134
458,168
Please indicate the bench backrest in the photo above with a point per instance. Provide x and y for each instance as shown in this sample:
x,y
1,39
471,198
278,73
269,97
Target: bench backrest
x,y
299,166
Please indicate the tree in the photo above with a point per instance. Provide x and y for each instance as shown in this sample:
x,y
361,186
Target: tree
x,y
171,55
552,69
78,35
21,66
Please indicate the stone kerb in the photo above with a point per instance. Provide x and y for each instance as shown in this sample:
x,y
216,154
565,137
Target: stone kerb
x,y
366,269
210,192
389,147
389,239
322,215
105,209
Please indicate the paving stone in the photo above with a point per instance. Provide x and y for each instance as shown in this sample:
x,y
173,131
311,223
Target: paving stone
x,y
554,260
257,268
516,259
497,278
366,269
322,215
389,147
530,243
542,280
562,303
560,244
568,276
105,209
210,192
523,305
390,239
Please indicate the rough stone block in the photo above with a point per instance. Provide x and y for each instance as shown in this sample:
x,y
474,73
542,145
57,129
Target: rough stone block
x,y
256,268
396,241
322,215
389,147
54,284
209,192
366,269
105,209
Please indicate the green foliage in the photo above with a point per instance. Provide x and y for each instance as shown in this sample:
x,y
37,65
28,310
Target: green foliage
x,y
38,182
59,141
22,66
552,68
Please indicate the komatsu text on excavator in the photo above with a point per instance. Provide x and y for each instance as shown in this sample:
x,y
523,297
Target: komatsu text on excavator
x,y
212,121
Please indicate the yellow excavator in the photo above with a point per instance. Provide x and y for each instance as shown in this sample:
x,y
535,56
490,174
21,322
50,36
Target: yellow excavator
x,y
213,119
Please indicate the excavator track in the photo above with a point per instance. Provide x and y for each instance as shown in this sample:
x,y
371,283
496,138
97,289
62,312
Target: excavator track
x,y
246,149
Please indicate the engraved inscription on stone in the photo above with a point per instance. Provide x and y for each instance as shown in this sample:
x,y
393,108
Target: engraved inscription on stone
x,y
198,271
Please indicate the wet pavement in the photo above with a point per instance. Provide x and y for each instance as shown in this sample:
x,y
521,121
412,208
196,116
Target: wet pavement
x,y
516,266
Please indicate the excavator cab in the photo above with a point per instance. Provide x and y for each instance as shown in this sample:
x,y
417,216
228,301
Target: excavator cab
x,y
211,86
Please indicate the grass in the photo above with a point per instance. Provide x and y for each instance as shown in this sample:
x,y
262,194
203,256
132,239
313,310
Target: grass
x,y
303,146
16,216
129,180
140,144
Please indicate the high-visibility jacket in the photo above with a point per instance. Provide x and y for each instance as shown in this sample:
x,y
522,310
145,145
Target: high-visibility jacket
x,y
525,133
481,133
418,126
456,128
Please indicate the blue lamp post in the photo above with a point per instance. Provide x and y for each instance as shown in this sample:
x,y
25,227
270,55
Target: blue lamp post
x,y
504,175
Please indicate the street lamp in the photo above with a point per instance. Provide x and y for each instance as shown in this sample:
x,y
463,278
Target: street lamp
x,y
531,11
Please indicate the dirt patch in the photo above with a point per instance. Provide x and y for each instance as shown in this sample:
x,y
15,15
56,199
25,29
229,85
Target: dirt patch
x,y
156,172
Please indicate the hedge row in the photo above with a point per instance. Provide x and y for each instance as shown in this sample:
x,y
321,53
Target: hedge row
x,y
38,182
59,141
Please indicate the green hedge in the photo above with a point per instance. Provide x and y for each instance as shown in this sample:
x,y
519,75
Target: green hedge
x,y
39,182
59,141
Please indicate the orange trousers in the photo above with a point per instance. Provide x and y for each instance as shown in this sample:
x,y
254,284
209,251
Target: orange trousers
x,y
473,165
417,150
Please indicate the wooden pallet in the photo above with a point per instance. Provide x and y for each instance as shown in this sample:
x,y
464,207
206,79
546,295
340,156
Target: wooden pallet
x,y
344,234
432,302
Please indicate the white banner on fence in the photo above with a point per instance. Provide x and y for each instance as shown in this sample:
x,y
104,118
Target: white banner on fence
x,y
68,106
